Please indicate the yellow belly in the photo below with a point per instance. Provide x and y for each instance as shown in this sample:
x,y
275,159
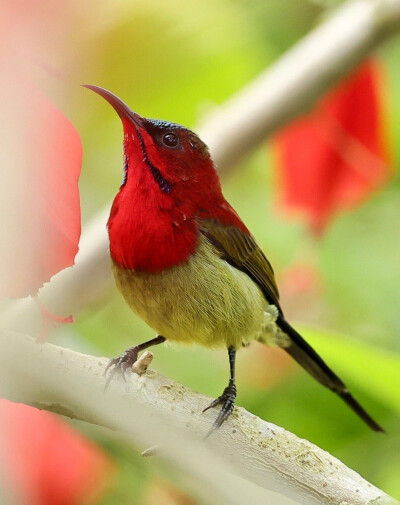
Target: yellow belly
x,y
204,301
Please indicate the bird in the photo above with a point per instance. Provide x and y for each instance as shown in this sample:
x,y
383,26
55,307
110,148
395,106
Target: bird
x,y
186,263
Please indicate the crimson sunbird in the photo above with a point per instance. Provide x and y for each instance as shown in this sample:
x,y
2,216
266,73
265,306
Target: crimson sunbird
x,y
185,262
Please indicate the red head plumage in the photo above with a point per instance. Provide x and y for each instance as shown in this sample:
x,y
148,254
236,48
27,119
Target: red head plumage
x,y
170,181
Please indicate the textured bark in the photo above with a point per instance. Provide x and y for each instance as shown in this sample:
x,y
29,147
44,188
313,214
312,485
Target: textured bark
x,y
152,409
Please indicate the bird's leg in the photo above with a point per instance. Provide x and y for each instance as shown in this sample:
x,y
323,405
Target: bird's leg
x,y
128,358
227,399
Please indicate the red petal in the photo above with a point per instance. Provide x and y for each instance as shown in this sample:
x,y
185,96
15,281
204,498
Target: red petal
x,y
334,157
44,221
45,461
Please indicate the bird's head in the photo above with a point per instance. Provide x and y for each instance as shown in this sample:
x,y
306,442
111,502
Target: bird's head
x,y
177,159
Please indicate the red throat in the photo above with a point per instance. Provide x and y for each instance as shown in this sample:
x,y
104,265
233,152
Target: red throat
x,y
148,230
152,229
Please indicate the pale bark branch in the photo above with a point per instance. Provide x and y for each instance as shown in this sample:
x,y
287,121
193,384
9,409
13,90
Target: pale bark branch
x,y
69,383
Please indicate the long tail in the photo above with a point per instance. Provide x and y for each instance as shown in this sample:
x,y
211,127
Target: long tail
x,y
305,355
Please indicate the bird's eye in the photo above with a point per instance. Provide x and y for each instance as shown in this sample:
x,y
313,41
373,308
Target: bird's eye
x,y
170,139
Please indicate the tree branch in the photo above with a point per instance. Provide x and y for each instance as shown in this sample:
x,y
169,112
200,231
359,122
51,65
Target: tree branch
x,y
72,384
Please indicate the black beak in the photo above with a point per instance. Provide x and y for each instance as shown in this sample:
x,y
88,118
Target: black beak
x,y
120,107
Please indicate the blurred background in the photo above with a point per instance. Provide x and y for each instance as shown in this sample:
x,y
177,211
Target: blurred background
x,y
325,210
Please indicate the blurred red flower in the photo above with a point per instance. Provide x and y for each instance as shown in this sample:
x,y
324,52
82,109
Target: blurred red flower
x,y
44,226
335,156
45,462
40,150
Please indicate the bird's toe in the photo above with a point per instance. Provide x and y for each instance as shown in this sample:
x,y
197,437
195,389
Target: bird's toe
x,y
120,364
227,399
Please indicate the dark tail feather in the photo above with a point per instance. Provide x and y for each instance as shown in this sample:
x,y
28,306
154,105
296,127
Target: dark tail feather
x,y
305,355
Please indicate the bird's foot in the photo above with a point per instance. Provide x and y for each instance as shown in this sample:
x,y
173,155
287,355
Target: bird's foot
x,y
128,358
121,364
227,399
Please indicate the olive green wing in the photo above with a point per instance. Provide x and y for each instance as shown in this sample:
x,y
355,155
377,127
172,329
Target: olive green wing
x,y
242,251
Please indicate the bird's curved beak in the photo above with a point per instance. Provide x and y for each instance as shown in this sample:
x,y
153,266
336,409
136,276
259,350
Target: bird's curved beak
x,y
123,111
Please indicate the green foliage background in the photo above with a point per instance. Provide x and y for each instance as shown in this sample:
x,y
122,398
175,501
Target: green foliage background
x,y
177,60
